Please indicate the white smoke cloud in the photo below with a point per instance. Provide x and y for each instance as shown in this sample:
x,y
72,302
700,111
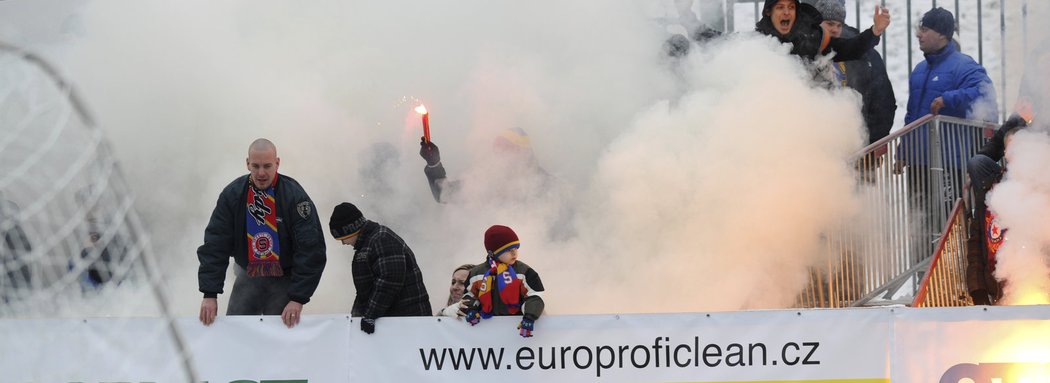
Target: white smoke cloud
x,y
1022,200
713,201
720,203
1022,203
183,87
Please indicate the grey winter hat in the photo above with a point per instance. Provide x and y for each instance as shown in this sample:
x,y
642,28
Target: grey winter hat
x,y
939,20
832,10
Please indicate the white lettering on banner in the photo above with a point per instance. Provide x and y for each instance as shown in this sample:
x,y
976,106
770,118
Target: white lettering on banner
x,y
979,345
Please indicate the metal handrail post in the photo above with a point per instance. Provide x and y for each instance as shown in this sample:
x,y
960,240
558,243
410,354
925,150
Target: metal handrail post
x,y
1002,55
1024,26
909,25
980,34
857,14
885,41
937,174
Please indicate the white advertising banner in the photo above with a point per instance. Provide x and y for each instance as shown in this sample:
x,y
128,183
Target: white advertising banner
x,y
88,350
234,349
264,350
758,346
952,345
972,345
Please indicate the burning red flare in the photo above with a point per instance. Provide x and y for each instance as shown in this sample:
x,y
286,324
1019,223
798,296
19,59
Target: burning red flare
x,y
421,109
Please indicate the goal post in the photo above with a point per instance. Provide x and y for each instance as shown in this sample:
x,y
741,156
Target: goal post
x,y
71,242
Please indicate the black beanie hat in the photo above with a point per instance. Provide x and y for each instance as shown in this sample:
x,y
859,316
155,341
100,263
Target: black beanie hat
x,y
939,20
346,222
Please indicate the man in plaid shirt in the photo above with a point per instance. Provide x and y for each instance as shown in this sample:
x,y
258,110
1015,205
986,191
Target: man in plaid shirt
x,y
386,275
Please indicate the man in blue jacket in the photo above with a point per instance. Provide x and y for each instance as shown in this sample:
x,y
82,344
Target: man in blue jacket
x,y
948,82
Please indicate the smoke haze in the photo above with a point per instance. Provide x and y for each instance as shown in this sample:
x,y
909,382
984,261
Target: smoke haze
x,y
1022,203
1022,200
645,196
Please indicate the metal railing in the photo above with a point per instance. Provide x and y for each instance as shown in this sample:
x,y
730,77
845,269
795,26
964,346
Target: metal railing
x,y
945,282
906,182
973,32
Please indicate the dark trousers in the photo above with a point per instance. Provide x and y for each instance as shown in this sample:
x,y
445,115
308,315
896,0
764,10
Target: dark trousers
x,y
258,295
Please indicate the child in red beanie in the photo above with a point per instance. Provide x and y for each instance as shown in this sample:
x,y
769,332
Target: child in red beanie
x,y
502,285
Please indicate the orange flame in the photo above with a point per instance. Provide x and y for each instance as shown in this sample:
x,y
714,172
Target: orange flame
x,y
1023,349
421,109
1030,296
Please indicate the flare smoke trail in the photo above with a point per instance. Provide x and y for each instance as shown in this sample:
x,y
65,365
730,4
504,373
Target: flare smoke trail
x,y
1022,200
719,203
1022,203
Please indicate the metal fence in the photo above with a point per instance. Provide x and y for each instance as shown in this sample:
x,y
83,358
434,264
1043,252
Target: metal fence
x,y
907,181
945,283
979,24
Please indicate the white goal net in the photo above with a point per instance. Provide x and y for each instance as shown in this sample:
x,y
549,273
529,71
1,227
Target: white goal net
x,y
71,243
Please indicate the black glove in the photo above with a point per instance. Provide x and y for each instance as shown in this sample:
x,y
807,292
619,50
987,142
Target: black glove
x,y
368,325
429,152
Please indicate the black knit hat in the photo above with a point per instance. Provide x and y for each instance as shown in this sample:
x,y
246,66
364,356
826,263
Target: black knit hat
x,y
939,20
346,222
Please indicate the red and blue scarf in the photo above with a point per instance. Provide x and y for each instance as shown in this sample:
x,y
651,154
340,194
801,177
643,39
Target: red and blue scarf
x,y
508,286
263,245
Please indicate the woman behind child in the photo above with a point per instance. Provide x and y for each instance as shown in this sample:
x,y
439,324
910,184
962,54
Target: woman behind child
x,y
503,285
454,307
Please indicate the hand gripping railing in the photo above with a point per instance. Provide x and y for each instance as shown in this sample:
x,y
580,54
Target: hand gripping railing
x,y
907,182
945,282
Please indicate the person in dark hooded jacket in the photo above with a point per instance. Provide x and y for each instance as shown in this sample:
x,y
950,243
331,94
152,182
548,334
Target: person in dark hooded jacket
x,y
799,25
985,235
867,76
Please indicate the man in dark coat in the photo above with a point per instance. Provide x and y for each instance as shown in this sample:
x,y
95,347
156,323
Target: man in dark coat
x,y
799,25
386,275
269,226
867,76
